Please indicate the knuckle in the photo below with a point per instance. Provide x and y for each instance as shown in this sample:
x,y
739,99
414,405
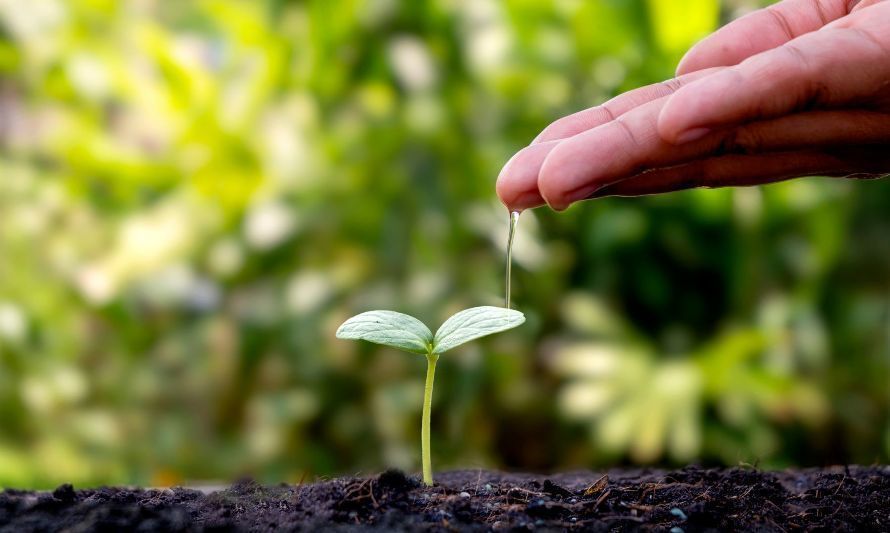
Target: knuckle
x,y
781,21
672,85
811,91
798,57
824,17
627,131
632,150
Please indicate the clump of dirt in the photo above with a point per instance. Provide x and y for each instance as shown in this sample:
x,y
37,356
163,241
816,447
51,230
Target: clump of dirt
x,y
692,499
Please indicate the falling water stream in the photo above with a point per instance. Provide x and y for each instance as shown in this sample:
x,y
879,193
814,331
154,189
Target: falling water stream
x,y
514,218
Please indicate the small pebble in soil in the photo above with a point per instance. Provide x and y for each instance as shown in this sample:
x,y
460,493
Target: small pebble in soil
x,y
676,511
64,493
464,494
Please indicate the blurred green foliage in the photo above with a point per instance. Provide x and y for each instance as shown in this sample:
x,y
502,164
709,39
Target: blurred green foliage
x,y
195,194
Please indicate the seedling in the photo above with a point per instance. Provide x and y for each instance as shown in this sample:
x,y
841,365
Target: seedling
x,y
407,333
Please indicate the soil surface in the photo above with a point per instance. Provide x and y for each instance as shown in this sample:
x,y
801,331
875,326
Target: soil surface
x,y
692,499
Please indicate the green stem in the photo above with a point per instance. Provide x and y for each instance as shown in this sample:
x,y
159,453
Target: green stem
x,y
425,423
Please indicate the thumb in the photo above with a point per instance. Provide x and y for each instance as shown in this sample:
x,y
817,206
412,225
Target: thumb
x,y
761,30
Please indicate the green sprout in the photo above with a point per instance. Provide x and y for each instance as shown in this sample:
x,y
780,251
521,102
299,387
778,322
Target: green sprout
x,y
407,333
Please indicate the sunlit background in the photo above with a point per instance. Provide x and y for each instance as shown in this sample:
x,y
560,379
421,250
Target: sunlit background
x,y
194,195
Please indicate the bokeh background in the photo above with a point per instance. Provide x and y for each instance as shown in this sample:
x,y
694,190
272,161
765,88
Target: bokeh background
x,y
195,194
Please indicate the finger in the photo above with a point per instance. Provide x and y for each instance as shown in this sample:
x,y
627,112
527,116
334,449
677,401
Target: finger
x,y
517,184
746,170
831,67
759,31
576,167
812,129
595,116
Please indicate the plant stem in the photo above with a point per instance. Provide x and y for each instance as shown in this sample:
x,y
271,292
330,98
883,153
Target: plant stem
x,y
431,359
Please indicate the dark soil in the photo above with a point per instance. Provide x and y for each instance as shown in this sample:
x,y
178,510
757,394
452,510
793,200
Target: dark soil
x,y
692,499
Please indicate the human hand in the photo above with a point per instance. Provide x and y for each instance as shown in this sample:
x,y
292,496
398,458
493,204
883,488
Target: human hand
x,y
799,88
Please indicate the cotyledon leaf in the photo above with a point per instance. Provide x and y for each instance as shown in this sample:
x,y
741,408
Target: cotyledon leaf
x,y
473,323
389,328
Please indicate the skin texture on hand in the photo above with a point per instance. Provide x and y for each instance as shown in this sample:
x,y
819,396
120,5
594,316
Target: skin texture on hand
x,y
797,89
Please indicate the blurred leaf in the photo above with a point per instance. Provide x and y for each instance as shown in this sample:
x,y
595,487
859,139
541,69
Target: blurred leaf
x,y
678,24
215,186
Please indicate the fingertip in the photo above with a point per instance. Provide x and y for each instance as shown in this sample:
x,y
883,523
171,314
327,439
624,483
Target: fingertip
x,y
574,124
667,124
700,56
557,130
517,200
718,100
517,183
682,119
692,134
509,182
529,200
503,190
687,62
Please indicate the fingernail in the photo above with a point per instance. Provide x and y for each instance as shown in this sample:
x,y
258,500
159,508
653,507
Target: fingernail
x,y
692,135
